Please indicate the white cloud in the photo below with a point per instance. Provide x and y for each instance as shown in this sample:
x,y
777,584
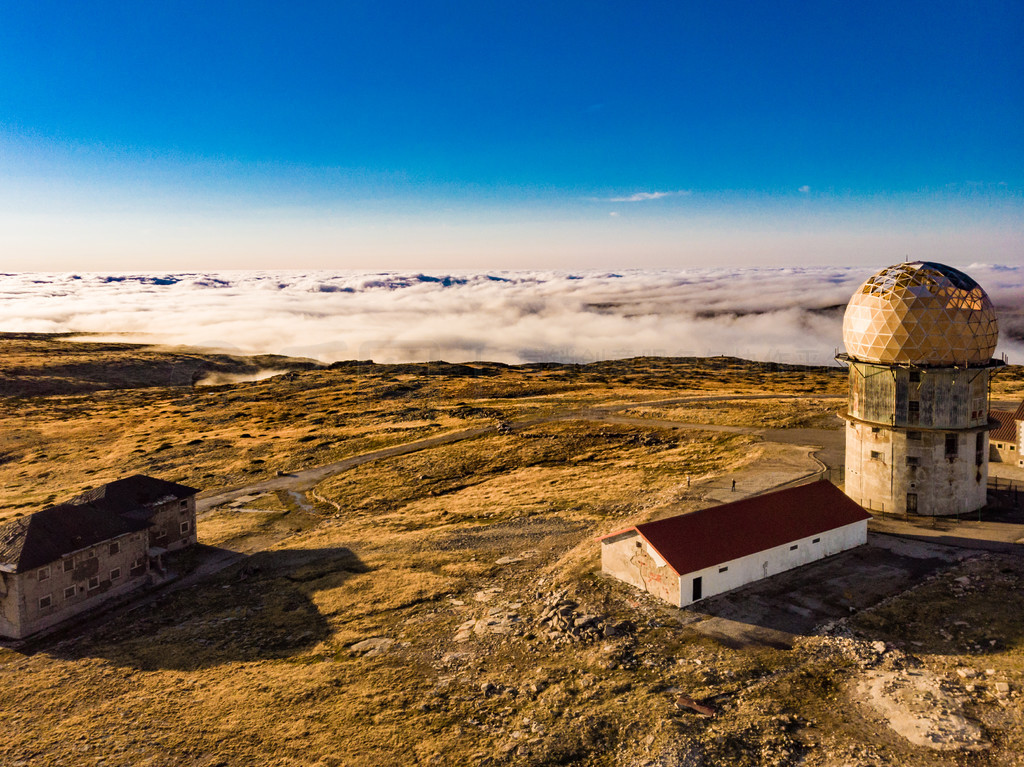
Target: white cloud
x,y
614,213
644,196
790,314
805,189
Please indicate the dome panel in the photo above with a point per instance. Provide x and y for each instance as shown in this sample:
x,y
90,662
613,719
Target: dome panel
x,y
920,313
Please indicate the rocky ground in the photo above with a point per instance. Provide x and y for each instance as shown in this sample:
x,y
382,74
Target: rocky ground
x,y
445,607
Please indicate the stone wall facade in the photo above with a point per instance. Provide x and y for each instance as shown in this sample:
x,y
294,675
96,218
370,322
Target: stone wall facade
x,y
43,597
917,439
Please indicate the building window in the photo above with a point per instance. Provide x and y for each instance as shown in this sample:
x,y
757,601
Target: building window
x,y
914,435
793,547
979,449
723,569
94,583
183,505
915,376
913,460
114,548
69,592
951,446
44,573
45,601
816,540
912,503
876,456
875,430
185,527
1013,447
913,411
69,565
115,573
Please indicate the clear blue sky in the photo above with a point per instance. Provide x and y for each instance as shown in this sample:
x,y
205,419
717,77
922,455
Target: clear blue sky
x,y
423,134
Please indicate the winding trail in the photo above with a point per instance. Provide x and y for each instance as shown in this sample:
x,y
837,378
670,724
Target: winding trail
x,y
300,482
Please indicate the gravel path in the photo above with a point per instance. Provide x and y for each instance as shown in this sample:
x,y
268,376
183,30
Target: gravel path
x,y
302,481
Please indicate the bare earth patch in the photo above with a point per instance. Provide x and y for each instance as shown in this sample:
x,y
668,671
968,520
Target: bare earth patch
x,y
918,708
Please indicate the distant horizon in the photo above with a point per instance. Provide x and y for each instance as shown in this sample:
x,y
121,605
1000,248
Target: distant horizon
x,y
791,314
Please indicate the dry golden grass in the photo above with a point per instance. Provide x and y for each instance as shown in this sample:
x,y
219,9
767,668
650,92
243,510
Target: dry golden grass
x,y
255,665
762,413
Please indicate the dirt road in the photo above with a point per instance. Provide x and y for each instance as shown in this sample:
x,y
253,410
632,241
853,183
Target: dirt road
x,y
306,479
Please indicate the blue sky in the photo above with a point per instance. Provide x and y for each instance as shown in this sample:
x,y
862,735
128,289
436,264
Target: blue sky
x,y
479,134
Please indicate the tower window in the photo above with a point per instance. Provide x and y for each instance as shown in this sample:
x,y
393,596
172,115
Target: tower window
x,y
913,460
915,376
951,446
915,435
876,456
979,449
913,411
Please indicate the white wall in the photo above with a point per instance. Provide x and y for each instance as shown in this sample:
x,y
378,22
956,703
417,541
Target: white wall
x,y
622,558
779,559
639,566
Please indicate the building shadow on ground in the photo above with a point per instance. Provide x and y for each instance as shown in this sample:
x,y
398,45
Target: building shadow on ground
x,y
802,602
260,608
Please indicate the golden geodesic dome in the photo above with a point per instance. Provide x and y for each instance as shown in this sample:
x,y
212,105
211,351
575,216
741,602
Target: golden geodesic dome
x,y
920,313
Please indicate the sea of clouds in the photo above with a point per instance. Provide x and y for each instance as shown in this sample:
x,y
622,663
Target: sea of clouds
x,y
778,314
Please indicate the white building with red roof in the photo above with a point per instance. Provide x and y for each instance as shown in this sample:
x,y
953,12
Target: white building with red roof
x,y
693,556
1007,439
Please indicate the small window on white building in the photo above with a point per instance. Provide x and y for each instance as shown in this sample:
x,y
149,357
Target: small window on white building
x,y
69,564
723,569
94,583
185,527
115,547
875,430
45,601
876,456
793,547
69,592
816,540
44,573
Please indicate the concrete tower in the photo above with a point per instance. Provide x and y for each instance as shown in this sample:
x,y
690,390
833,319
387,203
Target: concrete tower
x,y
919,340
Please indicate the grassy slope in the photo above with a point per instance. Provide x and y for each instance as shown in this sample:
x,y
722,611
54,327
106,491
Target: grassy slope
x,y
255,665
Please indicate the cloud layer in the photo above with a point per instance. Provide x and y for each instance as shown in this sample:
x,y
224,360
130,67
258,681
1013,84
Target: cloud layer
x,y
787,315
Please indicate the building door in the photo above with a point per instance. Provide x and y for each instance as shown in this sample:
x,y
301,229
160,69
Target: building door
x,y
697,583
911,503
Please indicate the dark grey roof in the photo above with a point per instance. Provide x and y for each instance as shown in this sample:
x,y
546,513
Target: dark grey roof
x,y
133,495
106,512
48,535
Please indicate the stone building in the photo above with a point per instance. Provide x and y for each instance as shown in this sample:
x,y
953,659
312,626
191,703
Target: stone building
x,y
1007,439
70,558
690,557
919,339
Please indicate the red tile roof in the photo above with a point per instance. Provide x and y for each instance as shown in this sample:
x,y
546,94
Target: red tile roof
x,y
691,542
1007,430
